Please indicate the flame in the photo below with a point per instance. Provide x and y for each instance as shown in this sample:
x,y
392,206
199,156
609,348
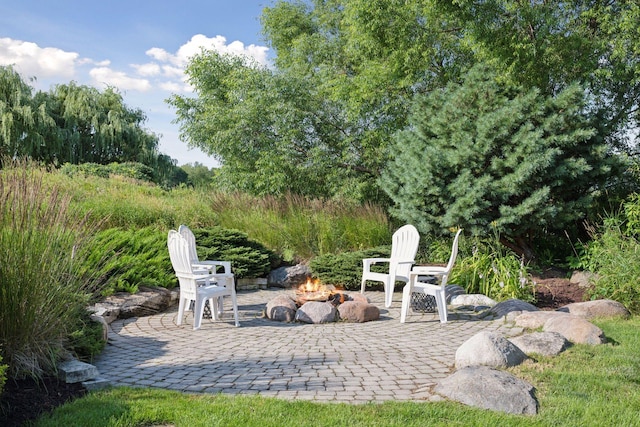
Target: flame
x,y
312,285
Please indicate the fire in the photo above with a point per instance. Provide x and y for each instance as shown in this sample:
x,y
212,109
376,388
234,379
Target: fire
x,y
313,290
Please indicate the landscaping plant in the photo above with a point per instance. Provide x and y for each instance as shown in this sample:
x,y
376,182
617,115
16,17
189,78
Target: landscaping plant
x,y
43,289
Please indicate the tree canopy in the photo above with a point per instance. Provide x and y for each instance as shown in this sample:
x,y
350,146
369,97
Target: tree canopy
x,y
77,124
486,155
319,121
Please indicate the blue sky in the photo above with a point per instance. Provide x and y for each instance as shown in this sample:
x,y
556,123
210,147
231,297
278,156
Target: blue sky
x,y
138,46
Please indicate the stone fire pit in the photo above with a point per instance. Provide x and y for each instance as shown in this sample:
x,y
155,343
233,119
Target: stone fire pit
x,y
314,303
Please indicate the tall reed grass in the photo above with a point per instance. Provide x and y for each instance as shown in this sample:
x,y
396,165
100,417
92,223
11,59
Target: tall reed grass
x,y
42,293
297,227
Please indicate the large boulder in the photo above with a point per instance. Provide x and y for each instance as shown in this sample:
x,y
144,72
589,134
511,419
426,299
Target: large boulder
x,y
357,311
281,308
146,302
488,349
287,277
535,319
488,388
316,312
604,308
575,329
511,307
543,343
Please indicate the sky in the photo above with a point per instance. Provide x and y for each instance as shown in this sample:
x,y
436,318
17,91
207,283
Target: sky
x,y
139,47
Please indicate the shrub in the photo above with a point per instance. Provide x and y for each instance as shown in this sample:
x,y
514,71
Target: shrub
x,y
345,269
124,260
614,254
3,375
248,258
489,268
43,289
86,341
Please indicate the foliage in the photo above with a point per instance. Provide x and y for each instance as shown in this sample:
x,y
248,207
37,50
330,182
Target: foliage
x,y
3,374
139,257
345,270
136,257
481,154
614,255
43,289
198,175
87,341
487,267
78,124
128,170
248,258
299,228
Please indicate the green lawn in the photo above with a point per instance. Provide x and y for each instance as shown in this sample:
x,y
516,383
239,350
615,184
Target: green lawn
x,y
584,386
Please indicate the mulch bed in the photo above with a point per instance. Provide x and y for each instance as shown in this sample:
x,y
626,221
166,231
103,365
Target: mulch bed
x,y
25,400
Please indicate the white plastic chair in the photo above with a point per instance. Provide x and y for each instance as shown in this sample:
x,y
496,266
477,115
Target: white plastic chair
x,y
437,290
404,247
220,270
197,286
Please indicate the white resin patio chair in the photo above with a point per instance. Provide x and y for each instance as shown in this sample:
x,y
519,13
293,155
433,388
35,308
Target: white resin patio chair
x,y
437,290
404,247
196,285
220,270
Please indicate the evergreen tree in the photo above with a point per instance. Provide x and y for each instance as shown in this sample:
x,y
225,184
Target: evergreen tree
x,y
485,154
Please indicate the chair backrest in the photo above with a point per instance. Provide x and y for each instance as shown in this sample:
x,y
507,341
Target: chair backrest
x,y
404,247
179,253
454,251
187,234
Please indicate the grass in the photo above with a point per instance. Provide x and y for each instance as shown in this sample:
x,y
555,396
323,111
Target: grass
x,y
584,386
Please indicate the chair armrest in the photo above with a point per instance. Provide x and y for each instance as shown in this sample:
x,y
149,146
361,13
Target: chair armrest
x,y
368,262
226,265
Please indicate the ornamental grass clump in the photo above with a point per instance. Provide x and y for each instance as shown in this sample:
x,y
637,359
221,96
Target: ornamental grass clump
x,y
42,292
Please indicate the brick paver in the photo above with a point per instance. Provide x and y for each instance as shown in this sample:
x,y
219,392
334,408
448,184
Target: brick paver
x,y
337,362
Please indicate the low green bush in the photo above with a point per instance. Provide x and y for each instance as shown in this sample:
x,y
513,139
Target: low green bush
x,y
345,270
248,257
125,260
87,339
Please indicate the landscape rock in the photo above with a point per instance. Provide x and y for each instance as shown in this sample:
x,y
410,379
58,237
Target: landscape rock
x,y
472,300
488,388
582,278
316,312
488,349
535,319
451,291
359,297
281,308
147,302
287,277
542,343
357,311
604,308
575,329
512,306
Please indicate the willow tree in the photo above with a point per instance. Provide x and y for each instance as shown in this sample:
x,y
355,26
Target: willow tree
x,y
490,156
24,123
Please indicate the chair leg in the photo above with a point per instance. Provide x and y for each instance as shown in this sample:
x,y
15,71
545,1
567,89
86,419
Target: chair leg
x,y
198,311
214,304
234,303
181,306
441,302
388,292
406,299
362,285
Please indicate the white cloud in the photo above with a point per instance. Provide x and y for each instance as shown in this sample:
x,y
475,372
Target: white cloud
x,y
33,60
118,79
151,69
218,43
